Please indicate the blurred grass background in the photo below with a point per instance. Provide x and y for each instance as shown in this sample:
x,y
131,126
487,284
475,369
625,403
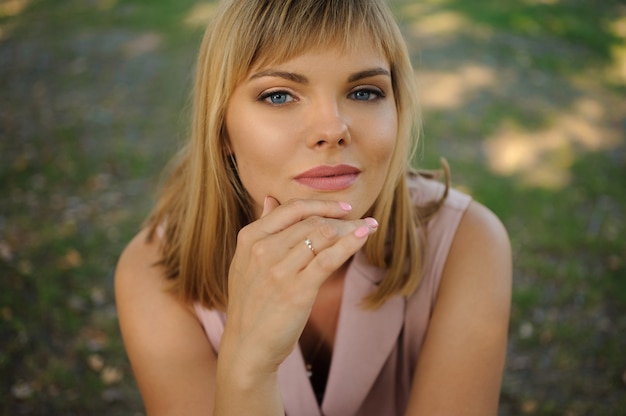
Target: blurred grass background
x,y
526,100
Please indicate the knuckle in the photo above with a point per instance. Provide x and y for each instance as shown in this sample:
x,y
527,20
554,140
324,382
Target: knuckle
x,y
297,204
315,222
277,274
244,236
326,262
259,249
327,230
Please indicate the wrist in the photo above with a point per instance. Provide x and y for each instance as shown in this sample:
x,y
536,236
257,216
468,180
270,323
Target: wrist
x,y
241,389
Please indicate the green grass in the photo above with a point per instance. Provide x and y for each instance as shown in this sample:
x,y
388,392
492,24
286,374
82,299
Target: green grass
x,y
86,128
582,23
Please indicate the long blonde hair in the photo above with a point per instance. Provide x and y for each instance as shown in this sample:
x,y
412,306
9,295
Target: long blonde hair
x,y
203,204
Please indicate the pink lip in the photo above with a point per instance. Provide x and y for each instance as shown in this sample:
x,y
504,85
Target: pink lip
x,y
329,178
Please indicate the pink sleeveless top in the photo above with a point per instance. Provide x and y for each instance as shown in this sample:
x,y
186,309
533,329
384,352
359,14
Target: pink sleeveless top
x,y
375,352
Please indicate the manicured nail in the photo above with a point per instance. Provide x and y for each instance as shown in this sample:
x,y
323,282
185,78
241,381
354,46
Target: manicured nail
x,y
345,206
362,231
371,222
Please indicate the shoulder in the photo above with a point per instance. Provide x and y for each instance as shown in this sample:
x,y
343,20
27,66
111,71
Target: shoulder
x,y
142,292
170,355
477,274
481,235
137,259
138,278
461,227
465,346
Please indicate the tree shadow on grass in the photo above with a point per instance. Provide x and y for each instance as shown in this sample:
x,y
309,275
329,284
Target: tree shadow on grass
x,y
522,99
91,109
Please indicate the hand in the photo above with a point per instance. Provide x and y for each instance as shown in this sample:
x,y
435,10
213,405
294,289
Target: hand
x,y
274,277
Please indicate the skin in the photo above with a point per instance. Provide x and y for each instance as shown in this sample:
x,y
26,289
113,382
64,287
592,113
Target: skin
x,y
275,282
317,109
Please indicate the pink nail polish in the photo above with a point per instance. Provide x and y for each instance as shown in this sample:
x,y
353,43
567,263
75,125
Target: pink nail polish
x,y
371,222
362,231
345,206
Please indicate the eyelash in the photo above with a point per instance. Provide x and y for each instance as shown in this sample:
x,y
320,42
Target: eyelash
x,y
379,94
264,97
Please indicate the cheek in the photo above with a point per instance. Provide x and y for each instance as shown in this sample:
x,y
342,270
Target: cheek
x,y
381,136
254,137
259,150
254,161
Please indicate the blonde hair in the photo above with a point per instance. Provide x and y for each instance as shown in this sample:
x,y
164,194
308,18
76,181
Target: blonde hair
x,y
203,204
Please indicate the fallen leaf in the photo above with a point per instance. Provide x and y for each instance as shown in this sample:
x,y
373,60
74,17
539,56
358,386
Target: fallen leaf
x,y
95,362
76,303
112,395
72,259
111,375
22,391
98,296
614,263
529,406
7,313
526,330
98,182
25,267
96,339
6,253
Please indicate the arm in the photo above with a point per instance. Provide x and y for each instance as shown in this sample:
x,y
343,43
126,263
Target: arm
x,y
172,360
273,283
460,367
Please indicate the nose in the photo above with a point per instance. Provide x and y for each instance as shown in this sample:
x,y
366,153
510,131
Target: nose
x,y
329,126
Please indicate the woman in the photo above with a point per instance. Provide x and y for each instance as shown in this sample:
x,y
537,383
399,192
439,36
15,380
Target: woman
x,y
293,263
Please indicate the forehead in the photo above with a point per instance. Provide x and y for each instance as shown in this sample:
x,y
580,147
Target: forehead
x,y
360,47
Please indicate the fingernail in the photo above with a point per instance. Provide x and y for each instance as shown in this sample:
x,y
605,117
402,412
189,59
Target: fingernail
x,y
345,206
371,222
362,231
266,203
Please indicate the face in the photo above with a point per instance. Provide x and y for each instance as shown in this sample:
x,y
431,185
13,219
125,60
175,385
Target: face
x,y
322,125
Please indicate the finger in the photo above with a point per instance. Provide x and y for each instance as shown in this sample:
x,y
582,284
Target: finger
x,y
320,232
321,239
334,256
324,232
269,204
308,246
295,211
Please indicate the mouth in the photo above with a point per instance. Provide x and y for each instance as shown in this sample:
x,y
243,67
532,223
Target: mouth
x,y
329,178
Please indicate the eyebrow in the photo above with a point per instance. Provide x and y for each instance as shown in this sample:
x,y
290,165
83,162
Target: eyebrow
x,y
368,73
301,79
290,76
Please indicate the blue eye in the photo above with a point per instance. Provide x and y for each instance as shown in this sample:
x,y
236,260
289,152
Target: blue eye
x,y
366,95
277,97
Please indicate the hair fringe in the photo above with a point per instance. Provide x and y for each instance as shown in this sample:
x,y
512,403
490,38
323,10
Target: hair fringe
x,y
203,205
